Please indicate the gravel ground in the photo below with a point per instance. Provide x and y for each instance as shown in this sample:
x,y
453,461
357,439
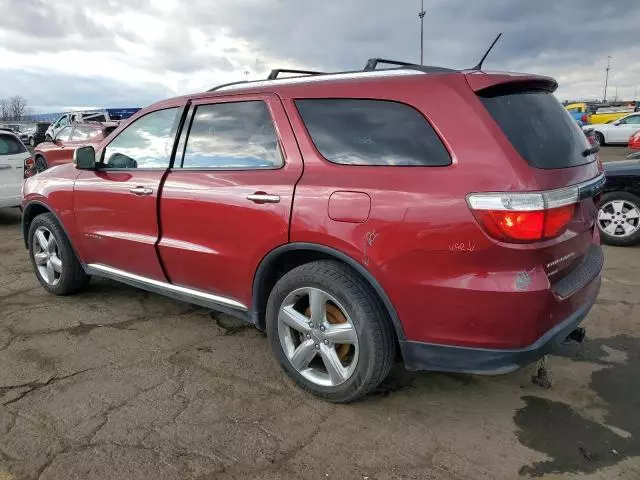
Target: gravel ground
x,y
120,384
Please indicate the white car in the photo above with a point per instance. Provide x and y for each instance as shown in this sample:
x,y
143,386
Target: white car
x,y
617,131
13,155
75,117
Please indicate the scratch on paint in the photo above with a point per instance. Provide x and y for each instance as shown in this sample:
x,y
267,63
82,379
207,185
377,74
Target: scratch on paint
x,y
462,247
369,240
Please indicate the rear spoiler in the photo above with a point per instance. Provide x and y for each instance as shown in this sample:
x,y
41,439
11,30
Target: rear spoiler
x,y
500,83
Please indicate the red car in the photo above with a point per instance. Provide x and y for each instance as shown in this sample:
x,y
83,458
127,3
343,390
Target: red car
x,y
60,149
446,216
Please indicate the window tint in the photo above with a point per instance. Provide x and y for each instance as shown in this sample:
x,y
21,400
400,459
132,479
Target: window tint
x,y
63,121
372,132
232,135
64,134
539,128
95,117
10,145
146,143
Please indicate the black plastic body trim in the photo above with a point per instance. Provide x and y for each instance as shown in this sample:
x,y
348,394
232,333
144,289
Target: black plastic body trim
x,y
269,260
486,361
25,230
582,275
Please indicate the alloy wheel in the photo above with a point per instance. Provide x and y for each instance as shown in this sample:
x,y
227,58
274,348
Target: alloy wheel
x,y
619,218
318,337
46,254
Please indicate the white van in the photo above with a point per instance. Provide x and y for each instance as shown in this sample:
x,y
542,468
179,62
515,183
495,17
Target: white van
x,y
76,117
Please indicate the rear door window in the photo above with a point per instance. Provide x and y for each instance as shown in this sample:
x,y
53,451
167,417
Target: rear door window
x,y
539,128
232,135
64,134
372,132
10,145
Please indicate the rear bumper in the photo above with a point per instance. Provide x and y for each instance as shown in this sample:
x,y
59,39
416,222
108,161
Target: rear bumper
x,y
487,361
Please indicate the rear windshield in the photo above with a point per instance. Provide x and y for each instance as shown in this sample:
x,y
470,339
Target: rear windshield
x,y
539,128
10,145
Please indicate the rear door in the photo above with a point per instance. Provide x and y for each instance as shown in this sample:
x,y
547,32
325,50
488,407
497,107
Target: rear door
x,y
12,156
557,152
628,126
227,201
116,205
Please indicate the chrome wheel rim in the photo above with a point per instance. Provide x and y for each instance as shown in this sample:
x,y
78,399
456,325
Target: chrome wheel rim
x,y
619,218
46,255
313,342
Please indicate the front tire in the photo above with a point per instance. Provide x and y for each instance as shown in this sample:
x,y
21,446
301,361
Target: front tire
x,y
600,138
619,218
329,331
54,261
41,164
32,142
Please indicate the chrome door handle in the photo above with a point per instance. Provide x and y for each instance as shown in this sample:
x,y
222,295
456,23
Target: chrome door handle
x,y
263,198
141,190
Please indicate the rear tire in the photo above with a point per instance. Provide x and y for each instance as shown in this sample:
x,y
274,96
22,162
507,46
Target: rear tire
x,y
362,356
32,142
53,258
628,206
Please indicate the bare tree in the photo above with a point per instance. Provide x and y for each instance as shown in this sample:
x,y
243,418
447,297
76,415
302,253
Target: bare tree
x,y
17,107
4,109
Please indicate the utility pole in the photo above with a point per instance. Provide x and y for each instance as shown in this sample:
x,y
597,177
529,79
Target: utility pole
x,y
606,79
421,15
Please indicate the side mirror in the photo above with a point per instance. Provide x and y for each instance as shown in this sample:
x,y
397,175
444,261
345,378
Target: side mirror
x,y
55,141
85,158
616,123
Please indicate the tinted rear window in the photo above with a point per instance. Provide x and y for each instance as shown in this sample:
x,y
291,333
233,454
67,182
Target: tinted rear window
x,y
10,145
372,132
539,128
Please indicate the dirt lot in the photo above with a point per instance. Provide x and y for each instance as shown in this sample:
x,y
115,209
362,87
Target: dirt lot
x,y
116,383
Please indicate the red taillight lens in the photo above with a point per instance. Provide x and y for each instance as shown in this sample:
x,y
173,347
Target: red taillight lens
x,y
526,226
29,167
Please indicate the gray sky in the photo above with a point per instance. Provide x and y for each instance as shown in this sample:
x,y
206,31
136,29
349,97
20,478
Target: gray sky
x,y
79,53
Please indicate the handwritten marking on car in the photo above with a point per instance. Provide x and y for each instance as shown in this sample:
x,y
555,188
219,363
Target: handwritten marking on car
x,y
369,240
462,247
523,280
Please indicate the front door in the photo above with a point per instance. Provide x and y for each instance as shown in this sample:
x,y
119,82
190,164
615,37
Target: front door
x,y
227,201
627,126
116,205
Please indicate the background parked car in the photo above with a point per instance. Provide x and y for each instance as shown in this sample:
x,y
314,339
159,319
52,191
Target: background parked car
x,y
617,131
634,144
13,157
72,118
619,208
27,134
60,150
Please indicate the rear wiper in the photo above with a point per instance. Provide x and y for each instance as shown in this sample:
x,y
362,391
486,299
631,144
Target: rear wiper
x,y
590,151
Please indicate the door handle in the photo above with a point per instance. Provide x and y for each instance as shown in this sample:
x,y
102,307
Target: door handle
x,y
4,166
141,190
263,198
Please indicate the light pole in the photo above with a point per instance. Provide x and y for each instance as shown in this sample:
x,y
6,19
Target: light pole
x,y
421,15
606,79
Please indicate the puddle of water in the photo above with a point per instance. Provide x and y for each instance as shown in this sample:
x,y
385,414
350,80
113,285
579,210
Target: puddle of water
x,y
579,445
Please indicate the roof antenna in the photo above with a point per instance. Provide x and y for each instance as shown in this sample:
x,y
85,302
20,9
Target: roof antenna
x,y
479,65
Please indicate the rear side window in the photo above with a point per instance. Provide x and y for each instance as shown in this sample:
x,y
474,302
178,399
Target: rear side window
x,y
372,132
237,135
539,128
81,133
9,145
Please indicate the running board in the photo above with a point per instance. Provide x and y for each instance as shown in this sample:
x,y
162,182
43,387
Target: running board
x,y
189,295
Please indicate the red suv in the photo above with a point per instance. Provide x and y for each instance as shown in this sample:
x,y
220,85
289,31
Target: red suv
x,y
60,149
446,217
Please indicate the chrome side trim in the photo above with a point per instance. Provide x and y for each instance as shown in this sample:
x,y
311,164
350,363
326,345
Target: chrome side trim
x,y
180,293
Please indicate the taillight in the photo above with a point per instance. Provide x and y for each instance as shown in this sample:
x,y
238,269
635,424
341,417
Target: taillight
x,y
29,167
525,217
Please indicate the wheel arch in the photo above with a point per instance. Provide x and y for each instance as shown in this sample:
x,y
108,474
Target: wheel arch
x,y
286,257
30,211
